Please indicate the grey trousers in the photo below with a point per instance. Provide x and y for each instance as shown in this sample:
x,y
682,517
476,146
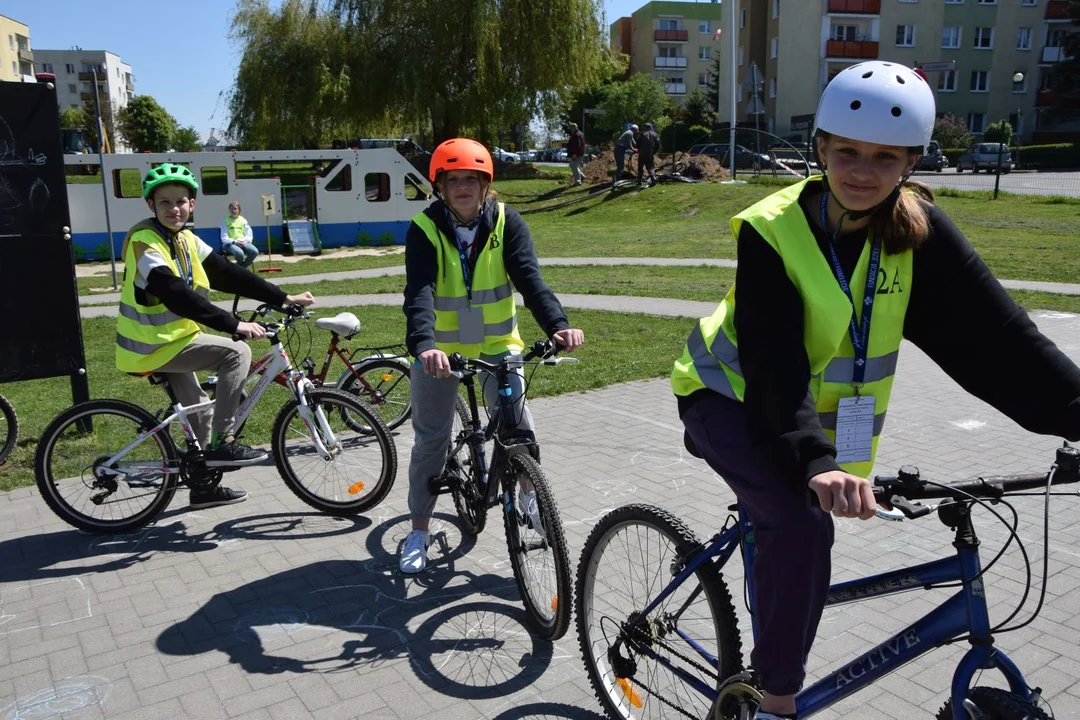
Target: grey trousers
x,y
230,360
575,169
433,422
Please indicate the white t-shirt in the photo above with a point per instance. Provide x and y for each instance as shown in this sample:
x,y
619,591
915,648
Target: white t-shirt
x,y
466,236
151,259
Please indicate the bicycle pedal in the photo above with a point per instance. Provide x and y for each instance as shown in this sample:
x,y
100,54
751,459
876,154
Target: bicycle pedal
x,y
440,485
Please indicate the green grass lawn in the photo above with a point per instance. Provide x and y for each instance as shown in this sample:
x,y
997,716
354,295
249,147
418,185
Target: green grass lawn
x,y
619,347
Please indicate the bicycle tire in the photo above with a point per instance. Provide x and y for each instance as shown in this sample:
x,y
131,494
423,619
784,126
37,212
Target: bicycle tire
x,y
46,481
469,501
997,704
393,413
11,428
561,604
596,653
350,505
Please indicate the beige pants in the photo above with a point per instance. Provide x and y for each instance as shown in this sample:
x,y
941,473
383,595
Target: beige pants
x,y
230,361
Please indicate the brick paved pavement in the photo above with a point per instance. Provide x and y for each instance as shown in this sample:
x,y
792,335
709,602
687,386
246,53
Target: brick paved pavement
x,y
267,610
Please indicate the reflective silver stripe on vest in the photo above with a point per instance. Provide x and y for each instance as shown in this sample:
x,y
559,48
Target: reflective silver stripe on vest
x,y
841,370
139,348
479,297
707,365
490,330
828,420
154,319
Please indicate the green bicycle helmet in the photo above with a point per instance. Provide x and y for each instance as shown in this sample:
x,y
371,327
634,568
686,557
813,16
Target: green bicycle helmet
x,y
168,173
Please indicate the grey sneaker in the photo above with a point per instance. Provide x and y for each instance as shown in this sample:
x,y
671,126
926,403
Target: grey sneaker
x,y
233,454
217,496
413,558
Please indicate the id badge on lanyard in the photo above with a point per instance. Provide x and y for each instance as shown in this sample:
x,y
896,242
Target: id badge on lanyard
x,y
855,415
470,319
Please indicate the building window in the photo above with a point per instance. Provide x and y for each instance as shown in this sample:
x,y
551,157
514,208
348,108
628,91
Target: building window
x,y
984,38
954,2
844,32
775,9
742,59
72,89
950,37
774,47
976,122
946,81
980,81
739,94
11,41
742,18
905,35
1019,88
704,26
986,2
70,69
909,1
1023,38
47,67
772,87
702,79
1054,38
704,53
14,68
1029,3
669,24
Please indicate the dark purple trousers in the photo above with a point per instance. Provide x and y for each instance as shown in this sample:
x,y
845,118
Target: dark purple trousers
x,y
794,542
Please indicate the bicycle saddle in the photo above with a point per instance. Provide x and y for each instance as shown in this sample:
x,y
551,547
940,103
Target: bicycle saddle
x,y
345,324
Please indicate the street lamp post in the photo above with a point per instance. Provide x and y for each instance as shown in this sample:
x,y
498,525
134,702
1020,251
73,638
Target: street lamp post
x,y
1018,78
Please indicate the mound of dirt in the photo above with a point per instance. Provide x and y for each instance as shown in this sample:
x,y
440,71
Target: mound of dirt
x,y
701,167
516,171
601,168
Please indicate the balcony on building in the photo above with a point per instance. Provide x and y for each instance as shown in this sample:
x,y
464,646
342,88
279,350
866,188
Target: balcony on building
x,y
1057,10
669,62
26,55
675,88
1054,55
670,35
855,7
861,49
1047,99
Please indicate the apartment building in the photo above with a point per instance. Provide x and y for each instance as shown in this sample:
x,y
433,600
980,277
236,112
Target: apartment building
x,y
16,56
674,42
74,76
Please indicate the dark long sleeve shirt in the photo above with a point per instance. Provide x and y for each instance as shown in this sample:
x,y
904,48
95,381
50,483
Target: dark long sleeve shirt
x,y
224,276
958,314
519,254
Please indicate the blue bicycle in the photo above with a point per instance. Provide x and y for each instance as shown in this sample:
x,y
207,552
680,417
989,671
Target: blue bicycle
x,y
660,638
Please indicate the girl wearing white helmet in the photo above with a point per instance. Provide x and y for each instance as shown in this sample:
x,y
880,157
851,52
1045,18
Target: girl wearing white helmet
x,y
785,387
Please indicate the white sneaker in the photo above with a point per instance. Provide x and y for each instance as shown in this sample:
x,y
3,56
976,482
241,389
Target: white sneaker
x,y
413,558
533,511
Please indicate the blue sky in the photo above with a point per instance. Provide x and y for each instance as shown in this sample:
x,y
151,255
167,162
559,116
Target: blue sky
x,y
181,56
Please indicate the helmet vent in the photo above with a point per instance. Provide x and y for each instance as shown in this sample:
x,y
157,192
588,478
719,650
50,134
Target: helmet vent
x,y
896,111
867,74
855,104
900,80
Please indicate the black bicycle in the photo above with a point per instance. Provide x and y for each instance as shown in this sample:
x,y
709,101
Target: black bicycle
x,y
9,428
534,533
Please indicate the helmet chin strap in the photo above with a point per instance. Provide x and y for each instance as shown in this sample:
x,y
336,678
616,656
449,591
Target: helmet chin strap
x,y
856,215
458,220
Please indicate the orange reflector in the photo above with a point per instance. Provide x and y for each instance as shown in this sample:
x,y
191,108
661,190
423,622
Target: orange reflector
x,y
554,603
629,692
355,488
387,377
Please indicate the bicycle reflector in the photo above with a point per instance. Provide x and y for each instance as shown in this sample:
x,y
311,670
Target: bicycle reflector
x,y
629,692
356,488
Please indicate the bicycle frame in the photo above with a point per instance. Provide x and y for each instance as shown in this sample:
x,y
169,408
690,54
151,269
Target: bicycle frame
x,y
273,367
966,611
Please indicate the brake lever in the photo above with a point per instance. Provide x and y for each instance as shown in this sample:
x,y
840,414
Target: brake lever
x,y
909,509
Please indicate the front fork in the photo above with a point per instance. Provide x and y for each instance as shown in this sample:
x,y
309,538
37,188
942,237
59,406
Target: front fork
x,y
314,418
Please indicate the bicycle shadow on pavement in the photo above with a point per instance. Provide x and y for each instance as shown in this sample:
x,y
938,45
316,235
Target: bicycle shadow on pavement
x,y
543,710
73,552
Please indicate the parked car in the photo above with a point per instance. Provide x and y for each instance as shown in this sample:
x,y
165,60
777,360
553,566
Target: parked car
x,y
990,157
745,158
934,159
503,155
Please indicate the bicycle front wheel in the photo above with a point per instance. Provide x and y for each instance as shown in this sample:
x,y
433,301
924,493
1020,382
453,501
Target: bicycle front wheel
x,y
329,464
84,491
384,385
470,500
9,428
538,555
631,555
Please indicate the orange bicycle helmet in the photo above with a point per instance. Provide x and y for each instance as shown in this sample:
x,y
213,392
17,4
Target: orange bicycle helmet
x,y
461,154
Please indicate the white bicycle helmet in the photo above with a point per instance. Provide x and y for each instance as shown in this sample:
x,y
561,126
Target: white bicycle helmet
x,y
878,102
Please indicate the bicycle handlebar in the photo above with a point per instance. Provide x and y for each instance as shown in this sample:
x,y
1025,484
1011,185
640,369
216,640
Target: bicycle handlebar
x,y
546,350
292,313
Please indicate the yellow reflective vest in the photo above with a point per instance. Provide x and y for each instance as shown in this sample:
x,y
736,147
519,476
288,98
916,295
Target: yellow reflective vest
x,y
711,355
148,334
235,227
491,292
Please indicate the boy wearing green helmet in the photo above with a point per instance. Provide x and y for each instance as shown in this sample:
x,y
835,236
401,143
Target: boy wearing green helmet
x,y
168,273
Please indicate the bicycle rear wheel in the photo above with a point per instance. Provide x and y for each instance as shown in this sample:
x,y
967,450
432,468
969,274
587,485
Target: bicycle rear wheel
x,y
469,499
538,555
385,386
629,558
9,428
84,492
361,467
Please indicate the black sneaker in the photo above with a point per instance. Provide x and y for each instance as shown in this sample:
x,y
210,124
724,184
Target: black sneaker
x,y
218,496
233,454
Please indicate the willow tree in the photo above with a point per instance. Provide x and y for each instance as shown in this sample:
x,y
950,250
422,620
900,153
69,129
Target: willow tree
x,y
453,65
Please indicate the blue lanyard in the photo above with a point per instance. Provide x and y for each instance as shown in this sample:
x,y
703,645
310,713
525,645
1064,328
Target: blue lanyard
x,y
466,273
172,241
859,332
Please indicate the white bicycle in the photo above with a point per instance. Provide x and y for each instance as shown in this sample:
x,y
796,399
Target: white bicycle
x,y
109,466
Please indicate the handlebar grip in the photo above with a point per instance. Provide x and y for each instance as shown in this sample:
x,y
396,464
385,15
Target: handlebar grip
x,y
457,362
